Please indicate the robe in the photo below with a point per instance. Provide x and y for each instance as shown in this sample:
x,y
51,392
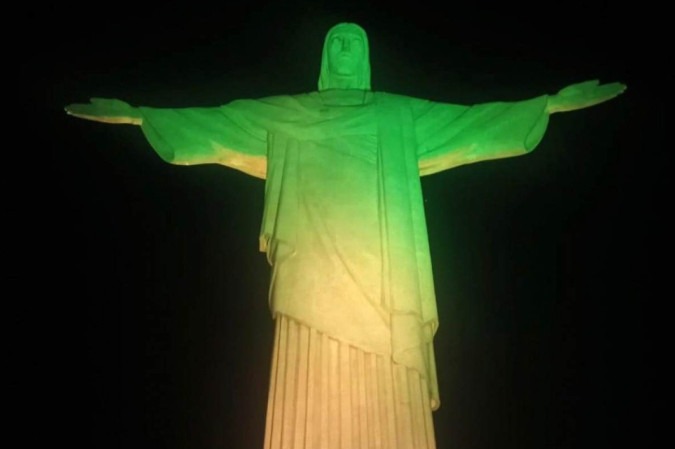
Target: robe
x,y
344,229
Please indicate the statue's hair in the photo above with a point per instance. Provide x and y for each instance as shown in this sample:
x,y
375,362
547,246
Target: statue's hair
x,y
363,77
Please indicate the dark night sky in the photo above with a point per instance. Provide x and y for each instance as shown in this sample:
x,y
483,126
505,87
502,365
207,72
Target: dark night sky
x,y
548,267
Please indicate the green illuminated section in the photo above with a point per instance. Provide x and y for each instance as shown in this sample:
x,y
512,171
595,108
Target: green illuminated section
x,y
343,225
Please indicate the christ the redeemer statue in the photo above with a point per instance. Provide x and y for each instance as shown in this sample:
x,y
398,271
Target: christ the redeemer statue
x,y
344,230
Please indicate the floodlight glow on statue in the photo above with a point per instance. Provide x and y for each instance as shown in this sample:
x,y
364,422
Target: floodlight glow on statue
x,y
344,230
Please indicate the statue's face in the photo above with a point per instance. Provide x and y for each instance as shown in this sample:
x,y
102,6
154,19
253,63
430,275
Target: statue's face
x,y
345,52
344,60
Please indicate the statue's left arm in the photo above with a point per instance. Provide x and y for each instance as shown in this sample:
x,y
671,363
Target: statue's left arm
x,y
450,135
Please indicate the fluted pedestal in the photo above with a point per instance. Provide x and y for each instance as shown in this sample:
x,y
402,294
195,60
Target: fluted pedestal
x,y
325,394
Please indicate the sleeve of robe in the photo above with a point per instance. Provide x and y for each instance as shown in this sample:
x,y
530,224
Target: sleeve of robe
x,y
452,135
232,135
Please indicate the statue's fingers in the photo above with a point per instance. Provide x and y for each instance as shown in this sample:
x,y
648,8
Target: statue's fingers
x,y
616,87
575,89
104,101
79,109
611,90
590,83
587,86
110,104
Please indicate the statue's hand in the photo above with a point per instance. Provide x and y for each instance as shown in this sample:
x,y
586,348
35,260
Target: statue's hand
x,y
583,95
106,110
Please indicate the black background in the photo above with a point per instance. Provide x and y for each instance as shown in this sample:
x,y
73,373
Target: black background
x,y
144,319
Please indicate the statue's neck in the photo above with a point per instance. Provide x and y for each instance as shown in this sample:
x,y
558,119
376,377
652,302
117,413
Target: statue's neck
x,y
345,97
342,81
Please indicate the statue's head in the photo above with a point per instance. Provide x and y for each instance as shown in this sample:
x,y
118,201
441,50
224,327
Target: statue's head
x,y
345,62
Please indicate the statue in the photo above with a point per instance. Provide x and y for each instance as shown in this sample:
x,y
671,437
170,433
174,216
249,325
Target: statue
x,y
343,228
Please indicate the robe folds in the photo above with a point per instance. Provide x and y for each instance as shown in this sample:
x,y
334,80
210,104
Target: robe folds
x,y
343,224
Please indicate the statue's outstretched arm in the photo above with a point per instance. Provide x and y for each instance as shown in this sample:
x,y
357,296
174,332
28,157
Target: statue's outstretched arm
x,y
106,110
583,95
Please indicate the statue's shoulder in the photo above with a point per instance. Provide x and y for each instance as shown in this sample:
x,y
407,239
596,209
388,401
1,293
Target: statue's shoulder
x,y
315,98
387,96
294,101
271,105
396,99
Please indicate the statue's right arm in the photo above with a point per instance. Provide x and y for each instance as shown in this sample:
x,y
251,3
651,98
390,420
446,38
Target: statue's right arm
x,y
106,110
233,135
